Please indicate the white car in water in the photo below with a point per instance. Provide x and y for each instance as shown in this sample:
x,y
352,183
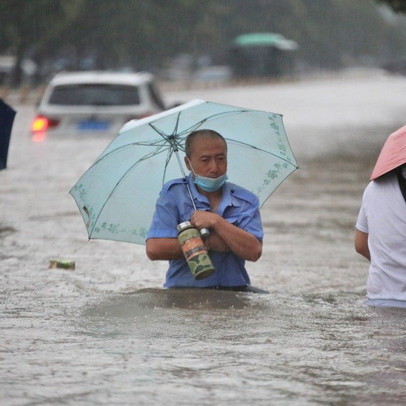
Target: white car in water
x,y
95,102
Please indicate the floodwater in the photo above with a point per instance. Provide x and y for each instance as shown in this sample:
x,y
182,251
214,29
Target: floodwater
x,y
107,334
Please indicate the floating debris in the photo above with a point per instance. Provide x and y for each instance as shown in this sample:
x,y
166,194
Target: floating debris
x,y
62,263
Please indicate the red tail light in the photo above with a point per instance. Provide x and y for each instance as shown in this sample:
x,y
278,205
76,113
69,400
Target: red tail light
x,y
42,123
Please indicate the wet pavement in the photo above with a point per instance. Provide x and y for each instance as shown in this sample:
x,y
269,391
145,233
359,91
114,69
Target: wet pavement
x,y
106,333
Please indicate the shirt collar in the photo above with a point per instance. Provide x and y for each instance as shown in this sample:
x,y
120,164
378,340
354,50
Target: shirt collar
x,y
227,199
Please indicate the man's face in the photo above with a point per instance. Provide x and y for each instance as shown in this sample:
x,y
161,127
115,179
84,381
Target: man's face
x,y
208,157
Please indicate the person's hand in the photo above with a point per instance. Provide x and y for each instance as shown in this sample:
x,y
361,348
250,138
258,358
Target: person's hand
x,y
226,236
209,220
204,219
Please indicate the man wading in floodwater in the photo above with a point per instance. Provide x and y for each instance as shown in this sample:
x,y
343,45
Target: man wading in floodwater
x,y
230,212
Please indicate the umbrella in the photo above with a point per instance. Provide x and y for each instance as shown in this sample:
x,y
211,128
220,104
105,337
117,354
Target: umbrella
x,y
116,195
392,155
265,39
6,123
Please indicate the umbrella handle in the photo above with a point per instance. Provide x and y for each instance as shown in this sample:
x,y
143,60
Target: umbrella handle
x,y
204,232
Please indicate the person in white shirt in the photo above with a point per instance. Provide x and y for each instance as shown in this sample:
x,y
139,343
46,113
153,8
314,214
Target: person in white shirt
x,y
381,228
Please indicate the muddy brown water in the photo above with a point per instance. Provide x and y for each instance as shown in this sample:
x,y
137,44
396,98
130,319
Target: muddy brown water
x,y
107,333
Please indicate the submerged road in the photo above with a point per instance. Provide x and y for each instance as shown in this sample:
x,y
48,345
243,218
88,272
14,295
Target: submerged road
x,y
106,333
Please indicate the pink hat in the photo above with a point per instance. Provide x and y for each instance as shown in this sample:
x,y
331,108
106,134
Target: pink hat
x,y
393,154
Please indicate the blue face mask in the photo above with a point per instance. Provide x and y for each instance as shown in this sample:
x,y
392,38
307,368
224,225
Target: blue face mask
x,y
210,184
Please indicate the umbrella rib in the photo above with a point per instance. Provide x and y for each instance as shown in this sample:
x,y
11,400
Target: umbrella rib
x,y
262,150
201,122
160,132
175,133
171,139
176,125
168,158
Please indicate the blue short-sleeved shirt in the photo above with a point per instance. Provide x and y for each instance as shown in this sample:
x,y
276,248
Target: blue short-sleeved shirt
x,y
238,206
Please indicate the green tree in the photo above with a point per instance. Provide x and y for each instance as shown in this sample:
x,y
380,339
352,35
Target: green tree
x,y
142,34
28,24
396,5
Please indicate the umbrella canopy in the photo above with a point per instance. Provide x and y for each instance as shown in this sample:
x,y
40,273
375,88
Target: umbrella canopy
x,y
116,195
392,155
7,115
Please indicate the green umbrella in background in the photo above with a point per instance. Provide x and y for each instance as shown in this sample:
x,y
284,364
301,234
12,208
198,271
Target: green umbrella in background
x,y
265,39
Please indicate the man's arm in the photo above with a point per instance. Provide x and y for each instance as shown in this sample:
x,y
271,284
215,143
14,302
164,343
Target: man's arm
x,y
163,249
240,242
361,244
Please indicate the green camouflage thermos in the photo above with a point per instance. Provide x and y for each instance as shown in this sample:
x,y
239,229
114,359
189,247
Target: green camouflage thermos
x,y
194,250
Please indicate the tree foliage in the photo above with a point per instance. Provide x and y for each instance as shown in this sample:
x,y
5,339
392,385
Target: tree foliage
x,y
143,34
397,5
27,25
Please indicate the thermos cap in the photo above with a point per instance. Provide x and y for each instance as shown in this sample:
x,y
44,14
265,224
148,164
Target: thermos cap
x,y
183,225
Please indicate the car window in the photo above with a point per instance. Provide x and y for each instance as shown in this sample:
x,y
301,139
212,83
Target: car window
x,y
156,98
95,95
